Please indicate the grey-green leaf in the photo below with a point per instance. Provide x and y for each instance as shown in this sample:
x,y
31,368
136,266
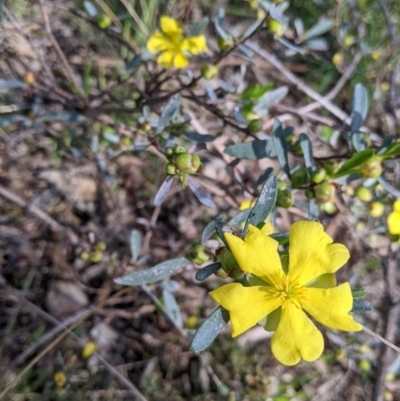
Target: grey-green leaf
x,y
163,191
359,107
207,271
209,330
154,274
172,307
198,28
264,204
306,147
240,218
210,229
169,113
323,26
361,306
253,150
280,146
135,242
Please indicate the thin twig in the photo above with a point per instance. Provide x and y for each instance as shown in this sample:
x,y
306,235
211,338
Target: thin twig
x,y
54,225
67,69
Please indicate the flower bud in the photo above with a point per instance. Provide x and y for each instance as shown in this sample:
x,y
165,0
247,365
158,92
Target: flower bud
x,y
285,198
227,260
169,153
144,127
376,209
101,246
338,60
188,163
199,254
84,256
364,365
281,185
324,192
170,169
328,207
103,21
309,193
29,78
372,168
330,166
223,44
364,194
96,257
250,116
236,273
209,71
276,27
177,150
89,349
299,178
318,175
255,126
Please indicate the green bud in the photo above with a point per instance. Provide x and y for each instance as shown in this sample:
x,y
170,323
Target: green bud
x,y
96,257
328,207
255,126
169,153
309,193
330,166
101,246
324,192
364,365
227,260
372,168
144,127
250,116
281,185
209,71
376,209
84,255
170,169
297,150
236,273
199,254
291,139
223,44
177,150
285,198
103,21
299,178
364,194
188,163
318,175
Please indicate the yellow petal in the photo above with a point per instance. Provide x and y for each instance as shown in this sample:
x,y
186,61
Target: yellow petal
x,y
257,254
312,252
246,305
296,337
158,43
195,44
394,223
396,206
327,280
268,228
165,59
170,26
180,60
331,307
245,204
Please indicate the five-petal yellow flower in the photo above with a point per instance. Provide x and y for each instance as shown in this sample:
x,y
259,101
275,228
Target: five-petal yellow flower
x,y
286,292
394,219
173,46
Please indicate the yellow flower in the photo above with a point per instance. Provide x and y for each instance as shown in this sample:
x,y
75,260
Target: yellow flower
x,y
394,219
283,291
173,46
89,349
60,379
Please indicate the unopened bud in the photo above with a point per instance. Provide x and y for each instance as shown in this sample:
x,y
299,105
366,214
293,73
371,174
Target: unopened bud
x,y
96,257
60,379
144,127
276,27
364,194
324,192
372,168
281,185
255,126
328,207
170,169
223,44
169,153
178,150
188,163
103,21
376,209
101,246
318,175
285,199
299,178
364,365
209,71
199,254
227,260
236,273
330,166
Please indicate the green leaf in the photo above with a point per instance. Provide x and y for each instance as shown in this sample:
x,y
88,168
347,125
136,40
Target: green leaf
x,y
361,306
153,275
321,27
306,147
359,294
209,330
280,146
392,150
255,92
135,242
355,161
282,238
196,137
264,204
172,307
389,188
253,150
359,107
269,99
207,271
169,113
210,229
198,28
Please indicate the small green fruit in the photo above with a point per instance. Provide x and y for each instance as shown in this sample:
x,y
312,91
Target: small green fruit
x,y
328,207
376,209
318,175
188,163
330,166
324,192
177,150
169,153
255,126
96,257
285,199
103,21
309,193
373,168
170,169
364,194
223,44
209,71
299,178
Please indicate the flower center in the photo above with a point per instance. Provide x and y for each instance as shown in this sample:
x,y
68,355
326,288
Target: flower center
x,y
290,292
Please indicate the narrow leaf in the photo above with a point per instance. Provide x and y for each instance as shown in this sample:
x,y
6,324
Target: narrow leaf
x,y
90,8
222,227
269,99
207,271
306,147
389,188
359,294
282,238
317,44
172,307
280,146
154,274
195,137
323,26
133,63
199,27
355,161
163,191
201,194
313,210
393,150
135,242
240,218
210,229
264,176
169,113
252,28
209,330
264,204
359,107
253,150
361,306
11,84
